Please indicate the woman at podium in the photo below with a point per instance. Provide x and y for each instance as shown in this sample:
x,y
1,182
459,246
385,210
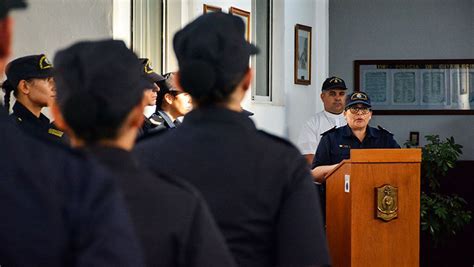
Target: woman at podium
x,y
336,143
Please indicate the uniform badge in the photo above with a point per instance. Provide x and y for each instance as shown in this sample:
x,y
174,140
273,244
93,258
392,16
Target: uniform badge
x,y
156,120
55,132
345,146
44,63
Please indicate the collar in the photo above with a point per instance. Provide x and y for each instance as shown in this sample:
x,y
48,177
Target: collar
x,y
371,133
113,157
215,114
166,118
23,113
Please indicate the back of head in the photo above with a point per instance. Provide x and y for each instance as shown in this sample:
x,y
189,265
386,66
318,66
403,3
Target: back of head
x,y
213,56
5,37
98,84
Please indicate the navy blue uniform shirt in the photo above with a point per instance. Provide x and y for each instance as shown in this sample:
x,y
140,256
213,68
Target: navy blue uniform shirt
x,y
58,208
41,126
170,217
257,185
336,144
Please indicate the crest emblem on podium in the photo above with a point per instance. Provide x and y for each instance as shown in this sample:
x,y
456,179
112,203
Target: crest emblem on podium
x,y
387,202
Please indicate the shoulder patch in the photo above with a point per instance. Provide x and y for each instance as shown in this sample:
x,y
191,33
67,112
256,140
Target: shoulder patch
x,y
277,138
384,130
55,132
330,130
156,119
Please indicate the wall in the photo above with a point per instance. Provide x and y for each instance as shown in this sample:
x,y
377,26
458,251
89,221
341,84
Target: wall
x,y
47,26
404,29
292,104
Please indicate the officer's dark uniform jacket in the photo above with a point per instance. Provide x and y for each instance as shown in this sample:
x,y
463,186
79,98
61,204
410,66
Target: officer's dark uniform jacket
x,y
336,144
41,126
58,208
171,218
158,121
257,185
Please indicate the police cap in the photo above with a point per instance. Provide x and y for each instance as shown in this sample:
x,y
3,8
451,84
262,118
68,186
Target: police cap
x,y
334,83
211,51
148,72
104,74
29,67
7,5
358,98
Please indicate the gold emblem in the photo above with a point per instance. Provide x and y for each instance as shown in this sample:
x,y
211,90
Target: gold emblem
x,y
335,80
387,202
148,68
44,63
359,96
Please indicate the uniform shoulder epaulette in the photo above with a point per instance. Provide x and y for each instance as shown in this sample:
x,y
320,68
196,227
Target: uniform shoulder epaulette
x,y
383,129
329,131
277,138
156,119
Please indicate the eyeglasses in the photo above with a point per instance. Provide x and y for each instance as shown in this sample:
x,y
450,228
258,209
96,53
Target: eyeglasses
x,y
362,110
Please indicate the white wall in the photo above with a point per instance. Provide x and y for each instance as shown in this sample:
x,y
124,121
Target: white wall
x,y
293,104
49,25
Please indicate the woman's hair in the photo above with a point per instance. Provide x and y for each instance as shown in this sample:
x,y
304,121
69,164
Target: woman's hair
x,y
7,88
207,84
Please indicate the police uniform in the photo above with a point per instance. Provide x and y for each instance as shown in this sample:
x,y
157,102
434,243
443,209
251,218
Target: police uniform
x,y
336,143
257,185
310,134
59,209
171,218
24,68
39,126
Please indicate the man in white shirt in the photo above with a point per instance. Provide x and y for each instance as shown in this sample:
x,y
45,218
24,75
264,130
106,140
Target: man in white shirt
x,y
333,97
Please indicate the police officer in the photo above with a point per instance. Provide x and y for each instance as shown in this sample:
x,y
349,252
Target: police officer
x,y
171,219
30,78
171,103
150,94
257,185
333,93
58,208
336,143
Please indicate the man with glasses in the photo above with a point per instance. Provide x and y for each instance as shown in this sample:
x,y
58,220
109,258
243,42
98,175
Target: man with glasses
x,y
332,95
336,143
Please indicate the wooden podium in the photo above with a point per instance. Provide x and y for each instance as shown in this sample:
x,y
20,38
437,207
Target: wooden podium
x,y
355,198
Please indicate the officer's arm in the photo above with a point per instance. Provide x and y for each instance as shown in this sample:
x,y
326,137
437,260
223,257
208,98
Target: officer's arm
x,y
322,160
319,173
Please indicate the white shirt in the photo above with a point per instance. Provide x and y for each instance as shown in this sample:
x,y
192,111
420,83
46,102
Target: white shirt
x,y
310,135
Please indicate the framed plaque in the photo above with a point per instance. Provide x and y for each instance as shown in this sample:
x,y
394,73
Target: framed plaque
x,y
417,87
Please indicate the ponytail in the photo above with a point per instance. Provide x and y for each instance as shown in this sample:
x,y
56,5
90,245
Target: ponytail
x,y
7,87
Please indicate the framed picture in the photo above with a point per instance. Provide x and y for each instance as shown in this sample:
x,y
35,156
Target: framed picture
x,y
417,87
414,139
302,54
209,9
245,16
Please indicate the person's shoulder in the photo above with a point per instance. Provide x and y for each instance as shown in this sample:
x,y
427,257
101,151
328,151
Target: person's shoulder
x,y
178,187
330,131
275,139
151,134
156,120
383,131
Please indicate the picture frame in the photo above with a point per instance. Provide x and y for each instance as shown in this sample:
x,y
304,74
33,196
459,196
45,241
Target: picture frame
x,y
414,139
417,87
302,66
245,16
209,9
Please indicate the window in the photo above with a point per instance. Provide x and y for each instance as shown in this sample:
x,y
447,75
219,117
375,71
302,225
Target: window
x,y
262,36
147,31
